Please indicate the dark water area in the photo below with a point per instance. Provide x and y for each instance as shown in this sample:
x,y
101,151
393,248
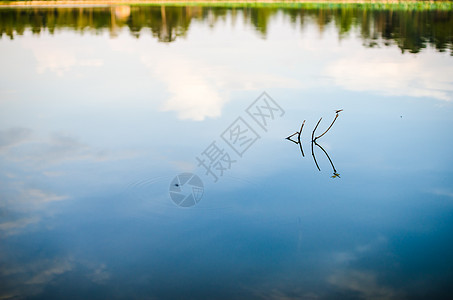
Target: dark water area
x,y
236,152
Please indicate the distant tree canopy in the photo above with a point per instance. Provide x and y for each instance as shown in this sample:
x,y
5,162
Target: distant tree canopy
x,y
410,29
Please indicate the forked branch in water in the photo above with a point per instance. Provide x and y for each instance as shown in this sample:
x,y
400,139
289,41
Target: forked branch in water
x,y
313,141
313,133
299,134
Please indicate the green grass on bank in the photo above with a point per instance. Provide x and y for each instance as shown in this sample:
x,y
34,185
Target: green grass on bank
x,y
333,5
402,5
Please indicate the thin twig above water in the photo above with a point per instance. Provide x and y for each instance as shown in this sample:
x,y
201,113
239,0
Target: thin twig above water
x,y
336,116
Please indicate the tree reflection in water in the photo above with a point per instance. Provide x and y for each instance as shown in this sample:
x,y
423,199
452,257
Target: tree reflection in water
x,y
411,28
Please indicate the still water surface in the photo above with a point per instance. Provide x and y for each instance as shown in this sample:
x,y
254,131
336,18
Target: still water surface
x,y
101,107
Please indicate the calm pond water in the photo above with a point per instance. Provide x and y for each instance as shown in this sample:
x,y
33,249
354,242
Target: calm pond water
x,y
101,108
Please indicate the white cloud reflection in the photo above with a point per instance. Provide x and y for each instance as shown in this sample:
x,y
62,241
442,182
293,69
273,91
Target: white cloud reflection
x,y
31,278
100,275
193,94
199,80
13,227
50,270
363,283
359,251
382,72
199,90
54,56
23,207
23,145
13,136
443,192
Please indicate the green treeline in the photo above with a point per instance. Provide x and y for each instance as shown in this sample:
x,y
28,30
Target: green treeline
x,y
410,29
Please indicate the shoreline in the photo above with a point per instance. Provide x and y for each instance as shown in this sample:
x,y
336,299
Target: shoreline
x,y
210,2
444,5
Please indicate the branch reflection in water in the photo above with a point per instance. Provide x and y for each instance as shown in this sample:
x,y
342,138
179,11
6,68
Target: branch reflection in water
x,y
314,143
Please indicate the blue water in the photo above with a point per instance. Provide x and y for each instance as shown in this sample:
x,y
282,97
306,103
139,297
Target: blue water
x,y
94,128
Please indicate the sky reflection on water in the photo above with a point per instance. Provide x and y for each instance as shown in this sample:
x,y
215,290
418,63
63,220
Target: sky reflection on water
x,y
94,127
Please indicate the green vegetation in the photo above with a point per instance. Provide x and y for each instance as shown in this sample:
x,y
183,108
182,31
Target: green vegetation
x,y
410,26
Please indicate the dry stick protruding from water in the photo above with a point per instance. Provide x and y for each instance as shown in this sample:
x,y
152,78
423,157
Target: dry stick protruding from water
x,y
336,116
312,141
313,133
299,134
298,138
301,127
